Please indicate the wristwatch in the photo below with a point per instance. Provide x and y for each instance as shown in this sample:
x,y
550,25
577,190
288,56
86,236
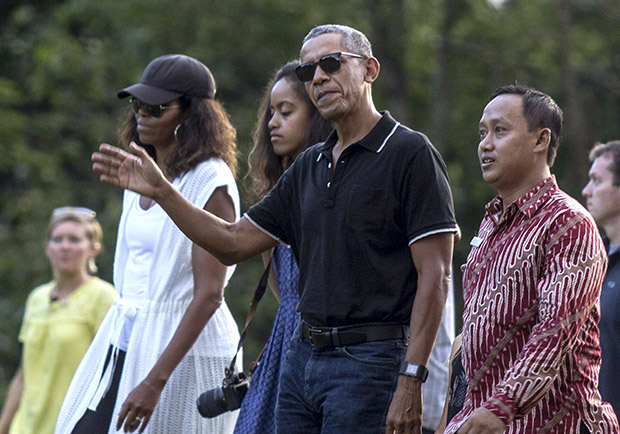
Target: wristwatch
x,y
414,370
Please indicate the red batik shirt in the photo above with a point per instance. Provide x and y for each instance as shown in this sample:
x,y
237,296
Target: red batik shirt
x,y
531,286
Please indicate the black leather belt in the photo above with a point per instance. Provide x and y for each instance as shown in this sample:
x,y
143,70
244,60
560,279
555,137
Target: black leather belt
x,y
321,337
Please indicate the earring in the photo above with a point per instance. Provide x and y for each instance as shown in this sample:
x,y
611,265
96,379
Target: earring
x,y
176,130
91,266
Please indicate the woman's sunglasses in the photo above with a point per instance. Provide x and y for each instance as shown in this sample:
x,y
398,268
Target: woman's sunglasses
x,y
329,63
153,110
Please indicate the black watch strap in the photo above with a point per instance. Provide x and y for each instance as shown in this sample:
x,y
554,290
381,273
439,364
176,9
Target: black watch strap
x,y
414,370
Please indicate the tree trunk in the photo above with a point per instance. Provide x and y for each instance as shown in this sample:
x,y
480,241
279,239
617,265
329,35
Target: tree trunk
x,y
440,110
575,143
388,30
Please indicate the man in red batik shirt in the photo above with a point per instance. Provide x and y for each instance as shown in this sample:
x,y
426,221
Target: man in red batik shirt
x,y
531,285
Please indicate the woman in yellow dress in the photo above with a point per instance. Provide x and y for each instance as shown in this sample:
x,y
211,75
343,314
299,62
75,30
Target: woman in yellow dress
x,y
60,320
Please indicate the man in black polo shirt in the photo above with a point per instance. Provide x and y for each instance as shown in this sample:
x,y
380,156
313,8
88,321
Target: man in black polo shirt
x,y
370,219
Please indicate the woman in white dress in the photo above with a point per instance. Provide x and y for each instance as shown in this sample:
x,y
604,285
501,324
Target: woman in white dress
x,y
170,336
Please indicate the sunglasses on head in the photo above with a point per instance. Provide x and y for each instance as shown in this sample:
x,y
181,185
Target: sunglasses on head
x,y
329,63
80,210
153,110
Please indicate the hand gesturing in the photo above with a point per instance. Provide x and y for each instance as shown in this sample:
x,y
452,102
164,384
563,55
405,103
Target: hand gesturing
x,y
133,170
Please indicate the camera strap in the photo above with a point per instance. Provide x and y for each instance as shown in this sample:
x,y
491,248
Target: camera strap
x,y
259,291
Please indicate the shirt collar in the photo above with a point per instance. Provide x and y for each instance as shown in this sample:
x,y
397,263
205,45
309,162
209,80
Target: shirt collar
x,y
608,247
373,141
528,204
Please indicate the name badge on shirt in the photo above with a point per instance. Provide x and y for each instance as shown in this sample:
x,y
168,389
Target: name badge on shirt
x,y
476,241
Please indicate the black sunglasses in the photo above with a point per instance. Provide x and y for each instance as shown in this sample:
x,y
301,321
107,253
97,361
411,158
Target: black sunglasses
x,y
153,110
329,63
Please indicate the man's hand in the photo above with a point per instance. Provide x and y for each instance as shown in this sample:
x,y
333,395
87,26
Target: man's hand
x,y
134,171
405,413
482,421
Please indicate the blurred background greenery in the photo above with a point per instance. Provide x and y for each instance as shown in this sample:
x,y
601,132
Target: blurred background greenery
x,y
62,61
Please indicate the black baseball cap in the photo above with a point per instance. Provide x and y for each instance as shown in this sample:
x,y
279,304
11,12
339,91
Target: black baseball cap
x,y
170,76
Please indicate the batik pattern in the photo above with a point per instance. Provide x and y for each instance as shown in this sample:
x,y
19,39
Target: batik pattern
x,y
531,287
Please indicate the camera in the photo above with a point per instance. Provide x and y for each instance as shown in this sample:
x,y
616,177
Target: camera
x,y
222,399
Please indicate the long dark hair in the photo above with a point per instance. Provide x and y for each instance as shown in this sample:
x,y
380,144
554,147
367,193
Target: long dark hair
x,y
207,133
266,166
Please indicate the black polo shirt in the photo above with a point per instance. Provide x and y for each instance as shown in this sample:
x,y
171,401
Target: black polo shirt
x,y
350,229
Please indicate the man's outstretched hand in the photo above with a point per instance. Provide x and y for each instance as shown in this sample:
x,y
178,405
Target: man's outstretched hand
x,y
133,170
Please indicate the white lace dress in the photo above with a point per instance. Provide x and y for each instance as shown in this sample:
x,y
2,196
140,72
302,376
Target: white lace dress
x,y
156,317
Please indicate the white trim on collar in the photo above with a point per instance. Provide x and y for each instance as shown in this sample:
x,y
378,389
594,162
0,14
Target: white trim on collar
x,y
318,158
388,137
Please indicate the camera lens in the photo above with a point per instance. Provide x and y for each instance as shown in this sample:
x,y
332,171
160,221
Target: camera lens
x,y
211,403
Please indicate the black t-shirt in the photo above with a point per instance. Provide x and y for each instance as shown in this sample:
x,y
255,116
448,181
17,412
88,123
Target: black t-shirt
x,y
350,228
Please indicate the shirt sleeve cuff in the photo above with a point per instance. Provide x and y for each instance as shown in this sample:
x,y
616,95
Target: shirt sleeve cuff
x,y
501,410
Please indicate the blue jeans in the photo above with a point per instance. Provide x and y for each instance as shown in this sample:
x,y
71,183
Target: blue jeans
x,y
338,390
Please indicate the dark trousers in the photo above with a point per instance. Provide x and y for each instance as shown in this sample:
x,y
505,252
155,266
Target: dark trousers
x,y
98,422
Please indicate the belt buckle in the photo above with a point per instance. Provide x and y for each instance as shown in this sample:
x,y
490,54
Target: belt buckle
x,y
311,333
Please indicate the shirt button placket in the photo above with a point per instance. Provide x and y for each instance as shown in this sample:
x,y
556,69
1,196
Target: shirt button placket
x,y
329,166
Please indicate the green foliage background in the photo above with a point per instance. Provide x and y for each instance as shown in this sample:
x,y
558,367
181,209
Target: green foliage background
x,y
61,63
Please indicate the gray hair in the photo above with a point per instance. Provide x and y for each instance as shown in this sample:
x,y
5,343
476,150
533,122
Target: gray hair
x,y
352,40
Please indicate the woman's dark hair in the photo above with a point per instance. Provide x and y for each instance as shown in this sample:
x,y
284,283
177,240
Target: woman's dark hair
x,y
207,133
265,166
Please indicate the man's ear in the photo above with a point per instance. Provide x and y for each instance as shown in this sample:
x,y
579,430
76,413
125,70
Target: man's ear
x,y
543,140
372,69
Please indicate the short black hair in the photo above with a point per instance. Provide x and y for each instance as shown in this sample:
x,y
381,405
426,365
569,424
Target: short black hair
x,y
540,111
